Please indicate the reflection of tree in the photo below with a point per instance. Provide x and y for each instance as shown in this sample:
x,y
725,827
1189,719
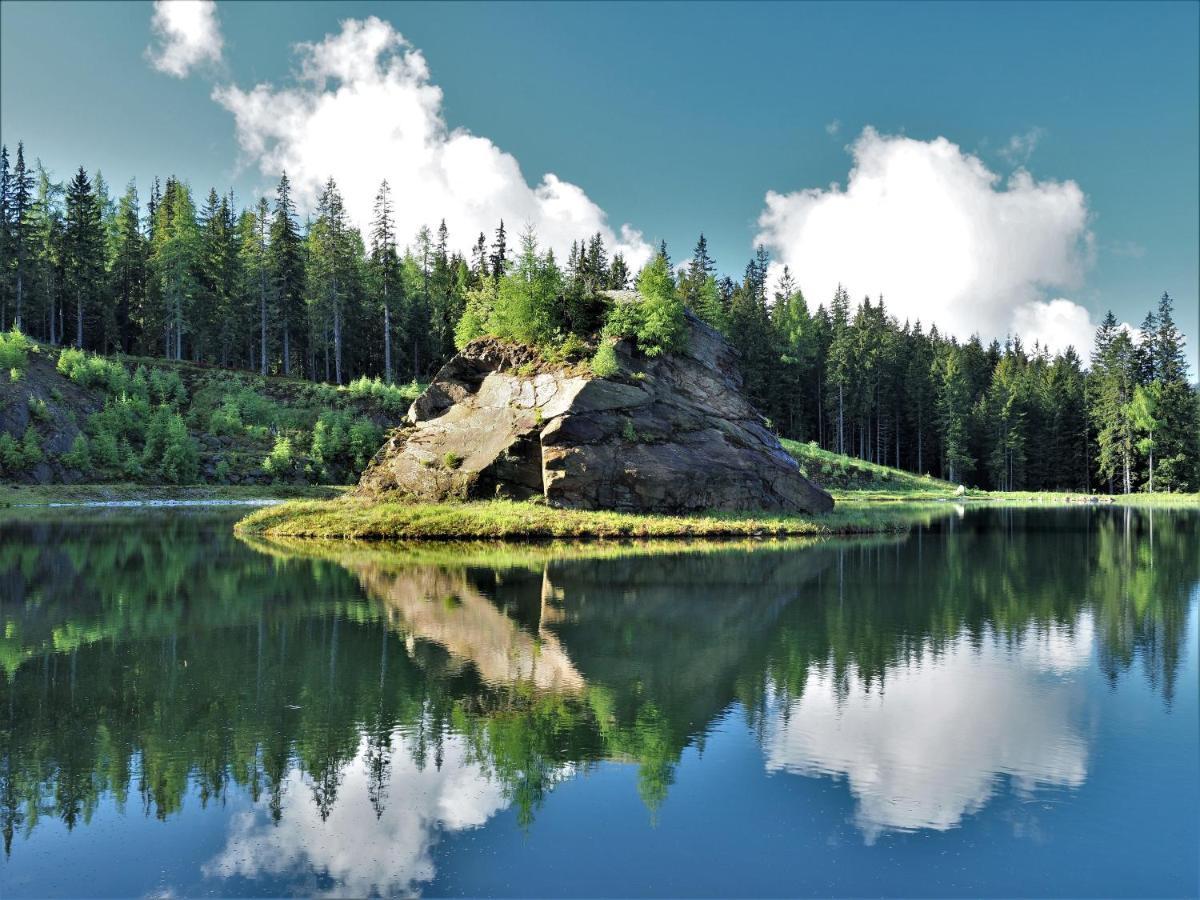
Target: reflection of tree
x,y
237,669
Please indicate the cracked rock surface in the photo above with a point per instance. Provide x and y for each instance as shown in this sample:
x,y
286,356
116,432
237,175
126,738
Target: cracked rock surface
x,y
667,434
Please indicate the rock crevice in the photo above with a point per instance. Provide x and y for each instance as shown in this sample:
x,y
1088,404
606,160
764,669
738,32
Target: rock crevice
x,y
669,434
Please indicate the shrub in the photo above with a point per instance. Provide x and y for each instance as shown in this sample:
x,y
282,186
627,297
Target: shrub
x,y
452,460
31,448
12,460
656,321
79,456
280,462
341,447
226,418
90,370
170,451
38,408
181,457
604,362
222,470
106,450
14,352
388,397
167,387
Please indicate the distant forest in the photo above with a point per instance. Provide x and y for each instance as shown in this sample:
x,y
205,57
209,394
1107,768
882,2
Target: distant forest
x,y
256,288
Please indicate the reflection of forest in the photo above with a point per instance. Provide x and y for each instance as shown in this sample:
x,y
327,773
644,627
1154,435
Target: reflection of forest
x,y
154,658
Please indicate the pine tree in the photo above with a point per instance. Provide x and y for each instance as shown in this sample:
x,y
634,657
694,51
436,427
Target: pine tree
x,y
499,257
286,257
1178,440
82,249
385,268
129,268
20,200
1113,378
954,409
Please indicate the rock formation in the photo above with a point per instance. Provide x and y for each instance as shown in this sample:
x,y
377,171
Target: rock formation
x,y
666,434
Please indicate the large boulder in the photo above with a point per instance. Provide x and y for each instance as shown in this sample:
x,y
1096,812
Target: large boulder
x,y
667,434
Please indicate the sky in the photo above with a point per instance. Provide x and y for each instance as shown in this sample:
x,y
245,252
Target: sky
x,y
988,168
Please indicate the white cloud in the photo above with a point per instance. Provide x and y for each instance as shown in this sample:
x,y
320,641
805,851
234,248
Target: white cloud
x,y
187,33
936,742
361,855
942,238
1021,146
832,128
363,108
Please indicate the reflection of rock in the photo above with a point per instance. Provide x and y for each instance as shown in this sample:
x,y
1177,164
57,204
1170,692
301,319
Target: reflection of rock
x,y
669,434
929,747
364,856
447,608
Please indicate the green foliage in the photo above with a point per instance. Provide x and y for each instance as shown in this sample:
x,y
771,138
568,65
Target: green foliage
x,y
12,460
31,448
38,408
604,362
656,321
451,460
90,370
170,452
390,398
280,462
79,457
15,348
342,446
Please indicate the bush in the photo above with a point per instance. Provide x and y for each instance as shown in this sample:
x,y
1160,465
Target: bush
x,y
181,457
170,451
167,387
79,456
14,352
31,448
656,321
280,462
341,446
604,363
12,460
38,408
90,370
389,397
452,460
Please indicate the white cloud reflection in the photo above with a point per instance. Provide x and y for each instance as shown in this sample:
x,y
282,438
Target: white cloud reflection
x,y
933,744
361,855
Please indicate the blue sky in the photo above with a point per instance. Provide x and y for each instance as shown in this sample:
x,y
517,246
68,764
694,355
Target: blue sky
x,y
677,118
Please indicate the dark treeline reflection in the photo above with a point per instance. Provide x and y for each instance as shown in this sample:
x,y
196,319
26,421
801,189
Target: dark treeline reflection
x,y
152,658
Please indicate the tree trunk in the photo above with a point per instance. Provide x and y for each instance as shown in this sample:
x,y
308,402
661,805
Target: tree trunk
x,y
287,351
387,339
79,321
337,342
262,320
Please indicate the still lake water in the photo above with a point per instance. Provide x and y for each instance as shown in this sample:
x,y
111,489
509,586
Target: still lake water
x,y
1001,703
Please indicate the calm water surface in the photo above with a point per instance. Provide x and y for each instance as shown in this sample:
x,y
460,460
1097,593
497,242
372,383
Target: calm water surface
x,y
1002,703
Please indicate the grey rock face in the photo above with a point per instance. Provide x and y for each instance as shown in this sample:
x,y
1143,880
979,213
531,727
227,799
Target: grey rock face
x,y
670,434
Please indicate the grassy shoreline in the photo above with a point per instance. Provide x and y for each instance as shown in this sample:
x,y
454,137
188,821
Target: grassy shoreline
x,y
357,519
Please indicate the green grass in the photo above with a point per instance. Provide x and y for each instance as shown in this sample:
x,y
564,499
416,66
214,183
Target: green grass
x,y
46,494
846,476
355,518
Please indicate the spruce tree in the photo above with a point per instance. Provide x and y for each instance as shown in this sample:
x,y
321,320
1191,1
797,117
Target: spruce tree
x,y
82,249
286,257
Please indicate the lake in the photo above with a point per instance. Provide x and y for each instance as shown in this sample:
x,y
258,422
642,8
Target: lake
x,y
1003,703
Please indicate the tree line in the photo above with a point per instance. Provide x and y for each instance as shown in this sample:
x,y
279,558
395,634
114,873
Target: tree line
x,y
259,289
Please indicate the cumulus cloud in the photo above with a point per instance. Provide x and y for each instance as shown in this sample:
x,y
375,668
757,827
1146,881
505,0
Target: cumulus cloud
x,y
361,855
187,33
943,239
362,108
940,739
